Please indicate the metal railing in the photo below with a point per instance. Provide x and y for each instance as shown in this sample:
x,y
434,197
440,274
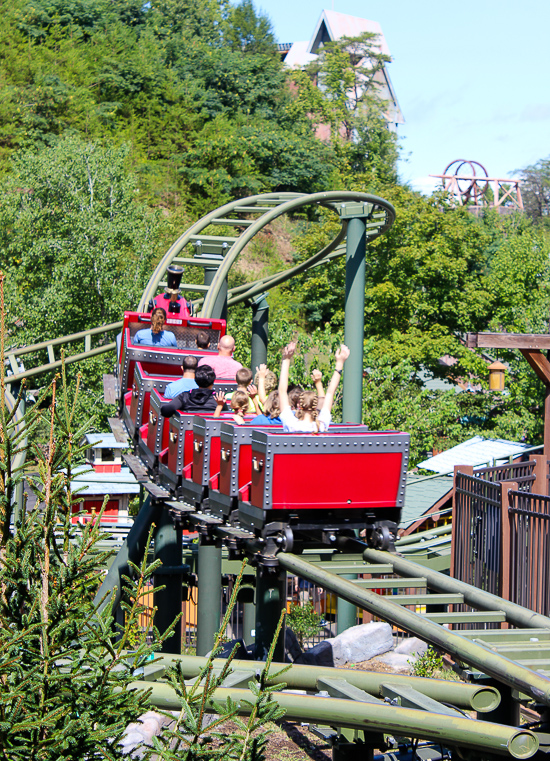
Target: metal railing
x,y
477,532
526,551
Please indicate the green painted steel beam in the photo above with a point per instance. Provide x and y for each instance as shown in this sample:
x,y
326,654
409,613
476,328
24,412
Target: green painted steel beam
x,y
64,339
495,636
408,697
329,200
473,596
69,360
420,535
456,731
341,688
411,583
232,222
467,617
482,698
428,599
504,670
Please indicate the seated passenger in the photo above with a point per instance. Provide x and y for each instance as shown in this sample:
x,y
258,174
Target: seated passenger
x,y
244,379
307,418
199,399
156,335
271,411
187,382
223,363
266,381
202,339
238,403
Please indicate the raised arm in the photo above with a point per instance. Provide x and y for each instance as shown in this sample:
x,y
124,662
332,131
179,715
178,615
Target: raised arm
x,y
340,356
288,353
262,372
317,377
220,403
253,392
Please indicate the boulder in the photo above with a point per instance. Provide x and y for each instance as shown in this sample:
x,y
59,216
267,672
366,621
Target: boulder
x,y
361,643
400,661
412,646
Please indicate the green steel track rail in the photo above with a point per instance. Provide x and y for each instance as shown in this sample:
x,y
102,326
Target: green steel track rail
x,y
267,207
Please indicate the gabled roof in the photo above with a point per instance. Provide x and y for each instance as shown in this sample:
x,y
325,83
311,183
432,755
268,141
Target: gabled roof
x,y
332,26
421,494
476,451
104,441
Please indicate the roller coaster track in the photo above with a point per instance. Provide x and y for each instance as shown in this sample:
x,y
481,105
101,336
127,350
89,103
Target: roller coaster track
x,y
502,665
219,253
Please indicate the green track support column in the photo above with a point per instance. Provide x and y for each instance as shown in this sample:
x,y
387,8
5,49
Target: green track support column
x,y
220,306
168,549
346,612
133,548
270,601
354,309
249,623
209,571
260,331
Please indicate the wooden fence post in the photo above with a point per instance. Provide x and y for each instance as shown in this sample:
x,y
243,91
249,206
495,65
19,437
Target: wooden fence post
x,y
455,536
540,485
506,487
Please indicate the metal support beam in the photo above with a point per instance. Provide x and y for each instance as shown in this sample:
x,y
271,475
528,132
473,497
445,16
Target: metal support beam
x,y
209,570
270,601
219,310
488,662
471,696
167,601
461,732
346,612
354,320
133,548
260,332
249,623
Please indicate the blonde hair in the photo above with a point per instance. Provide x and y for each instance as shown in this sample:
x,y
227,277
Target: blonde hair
x,y
308,403
158,318
272,406
294,396
239,401
270,382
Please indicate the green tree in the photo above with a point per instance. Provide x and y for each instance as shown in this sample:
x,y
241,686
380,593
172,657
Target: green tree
x,y
64,674
75,243
535,191
249,31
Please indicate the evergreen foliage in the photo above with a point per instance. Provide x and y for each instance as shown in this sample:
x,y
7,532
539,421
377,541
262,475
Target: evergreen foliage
x,y
64,669
191,737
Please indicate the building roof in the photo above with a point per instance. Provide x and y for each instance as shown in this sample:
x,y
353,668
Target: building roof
x,y
333,26
104,441
421,494
477,451
88,481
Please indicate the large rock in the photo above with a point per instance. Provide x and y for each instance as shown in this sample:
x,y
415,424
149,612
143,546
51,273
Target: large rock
x,y
412,646
397,661
361,643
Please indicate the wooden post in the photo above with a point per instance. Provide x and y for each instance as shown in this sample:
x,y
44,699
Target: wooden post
x,y
540,484
468,470
506,487
547,423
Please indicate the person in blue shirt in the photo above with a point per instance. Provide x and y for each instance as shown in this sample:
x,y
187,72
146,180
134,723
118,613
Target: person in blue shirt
x,y
187,382
156,335
271,410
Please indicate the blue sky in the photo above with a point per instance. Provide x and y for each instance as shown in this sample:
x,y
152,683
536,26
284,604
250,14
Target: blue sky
x,y
472,79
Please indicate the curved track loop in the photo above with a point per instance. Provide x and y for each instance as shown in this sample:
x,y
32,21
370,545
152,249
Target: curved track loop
x,y
269,206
